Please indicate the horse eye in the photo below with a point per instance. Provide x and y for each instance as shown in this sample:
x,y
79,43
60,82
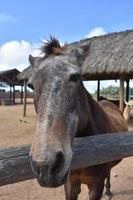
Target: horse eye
x,y
74,77
30,86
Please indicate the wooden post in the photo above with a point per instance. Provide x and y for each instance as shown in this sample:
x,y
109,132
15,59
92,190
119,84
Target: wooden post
x,y
98,90
14,94
121,94
25,98
21,94
10,92
127,90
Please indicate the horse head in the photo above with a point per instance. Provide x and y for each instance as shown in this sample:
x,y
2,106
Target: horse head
x,y
60,102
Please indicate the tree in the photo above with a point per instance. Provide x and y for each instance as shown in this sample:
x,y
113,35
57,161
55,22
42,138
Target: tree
x,y
110,90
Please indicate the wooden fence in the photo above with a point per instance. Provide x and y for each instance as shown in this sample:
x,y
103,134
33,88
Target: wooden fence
x,y
87,151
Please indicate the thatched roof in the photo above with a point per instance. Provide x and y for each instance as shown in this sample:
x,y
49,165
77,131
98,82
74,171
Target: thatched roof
x,y
109,57
10,77
25,74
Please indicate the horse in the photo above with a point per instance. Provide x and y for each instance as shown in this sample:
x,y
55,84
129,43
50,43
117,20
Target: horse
x,y
127,111
116,102
64,110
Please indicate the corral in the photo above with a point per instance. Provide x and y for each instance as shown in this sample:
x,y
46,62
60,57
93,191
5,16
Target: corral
x,y
121,101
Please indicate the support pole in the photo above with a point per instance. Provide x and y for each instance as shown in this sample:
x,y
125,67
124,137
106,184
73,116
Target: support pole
x,y
21,94
13,94
25,98
121,94
127,90
10,93
98,90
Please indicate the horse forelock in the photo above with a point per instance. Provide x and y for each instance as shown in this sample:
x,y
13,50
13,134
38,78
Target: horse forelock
x,y
52,47
54,53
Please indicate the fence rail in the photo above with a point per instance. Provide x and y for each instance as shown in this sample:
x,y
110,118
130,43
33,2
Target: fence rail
x,y
87,151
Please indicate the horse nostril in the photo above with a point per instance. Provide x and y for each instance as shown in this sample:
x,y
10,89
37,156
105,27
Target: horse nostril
x,y
58,163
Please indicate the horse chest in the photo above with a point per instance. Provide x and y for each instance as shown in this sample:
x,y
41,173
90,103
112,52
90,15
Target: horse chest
x,y
88,176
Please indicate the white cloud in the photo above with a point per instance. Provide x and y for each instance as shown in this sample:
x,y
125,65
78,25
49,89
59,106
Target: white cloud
x,y
97,31
5,17
14,54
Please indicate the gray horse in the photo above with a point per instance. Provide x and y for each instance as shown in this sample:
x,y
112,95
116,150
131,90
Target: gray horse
x,y
66,110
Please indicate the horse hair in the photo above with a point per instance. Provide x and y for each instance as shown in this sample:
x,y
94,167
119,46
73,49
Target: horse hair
x,y
48,46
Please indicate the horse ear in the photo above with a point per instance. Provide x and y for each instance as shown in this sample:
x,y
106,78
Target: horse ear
x,y
31,60
80,54
83,50
35,61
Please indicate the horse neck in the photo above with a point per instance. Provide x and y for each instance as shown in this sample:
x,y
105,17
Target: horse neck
x,y
90,122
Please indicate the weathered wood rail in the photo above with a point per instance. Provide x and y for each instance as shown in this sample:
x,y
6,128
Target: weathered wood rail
x,y
87,151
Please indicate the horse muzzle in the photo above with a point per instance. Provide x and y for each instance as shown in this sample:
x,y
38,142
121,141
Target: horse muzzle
x,y
49,172
51,181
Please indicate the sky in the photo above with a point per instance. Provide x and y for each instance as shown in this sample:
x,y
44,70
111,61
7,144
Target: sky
x,y
24,24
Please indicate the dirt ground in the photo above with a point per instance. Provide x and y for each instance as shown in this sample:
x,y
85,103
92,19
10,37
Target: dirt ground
x,y
16,130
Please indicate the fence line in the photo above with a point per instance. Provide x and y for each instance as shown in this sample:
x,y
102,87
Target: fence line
x,y
87,151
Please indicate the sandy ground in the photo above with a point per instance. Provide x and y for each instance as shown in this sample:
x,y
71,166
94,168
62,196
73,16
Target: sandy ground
x,y
16,130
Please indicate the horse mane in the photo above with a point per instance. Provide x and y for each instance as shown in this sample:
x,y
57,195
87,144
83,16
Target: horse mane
x,y
52,47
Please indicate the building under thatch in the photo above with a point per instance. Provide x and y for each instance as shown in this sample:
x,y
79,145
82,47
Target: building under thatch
x,y
108,57
9,77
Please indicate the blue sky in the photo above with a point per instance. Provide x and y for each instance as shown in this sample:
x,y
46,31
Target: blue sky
x,y
68,20
23,24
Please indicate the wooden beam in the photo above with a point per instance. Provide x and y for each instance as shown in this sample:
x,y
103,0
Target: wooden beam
x,y
127,90
10,93
121,94
87,151
98,90
14,94
21,94
25,99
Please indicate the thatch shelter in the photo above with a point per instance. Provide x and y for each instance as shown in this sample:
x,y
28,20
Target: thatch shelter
x,y
25,74
9,77
108,57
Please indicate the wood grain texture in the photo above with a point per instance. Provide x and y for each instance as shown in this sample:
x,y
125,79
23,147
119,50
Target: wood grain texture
x,y
87,151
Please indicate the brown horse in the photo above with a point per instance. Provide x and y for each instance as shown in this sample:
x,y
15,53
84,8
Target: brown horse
x,y
66,110
116,102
